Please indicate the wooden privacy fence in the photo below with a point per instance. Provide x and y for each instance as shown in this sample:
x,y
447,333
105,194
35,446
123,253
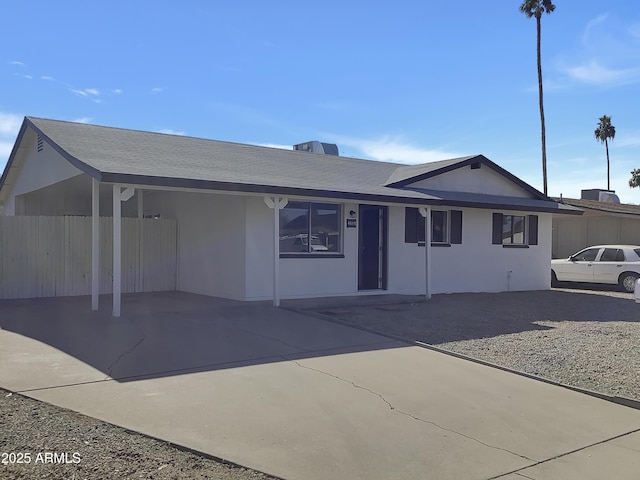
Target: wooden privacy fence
x,y
51,256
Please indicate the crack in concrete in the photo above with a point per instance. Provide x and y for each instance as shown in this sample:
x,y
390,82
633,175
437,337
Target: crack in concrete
x,y
407,414
524,476
128,352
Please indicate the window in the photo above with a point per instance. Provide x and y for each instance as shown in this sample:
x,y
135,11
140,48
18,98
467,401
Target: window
x,y
612,255
446,227
515,230
310,228
439,226
588,255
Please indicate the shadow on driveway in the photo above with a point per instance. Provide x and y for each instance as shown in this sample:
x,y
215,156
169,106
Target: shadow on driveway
x,y
170,333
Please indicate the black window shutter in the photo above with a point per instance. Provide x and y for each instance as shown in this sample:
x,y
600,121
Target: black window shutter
x,y
411,225
497,229
456,227
533,229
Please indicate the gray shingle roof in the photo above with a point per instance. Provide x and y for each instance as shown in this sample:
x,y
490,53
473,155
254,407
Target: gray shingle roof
x,y
618,208
136,157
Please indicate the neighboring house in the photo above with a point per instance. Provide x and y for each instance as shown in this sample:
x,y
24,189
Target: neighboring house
x,y
605,221
256,223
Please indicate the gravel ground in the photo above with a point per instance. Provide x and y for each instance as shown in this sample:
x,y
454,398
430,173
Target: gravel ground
x,y
584,338
102,451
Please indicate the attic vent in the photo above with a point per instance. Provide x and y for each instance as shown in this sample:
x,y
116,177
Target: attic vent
x,y
40,143
475,165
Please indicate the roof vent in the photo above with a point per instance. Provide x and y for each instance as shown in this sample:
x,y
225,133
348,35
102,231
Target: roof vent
x,y
40,143
608,197
600,195
317,147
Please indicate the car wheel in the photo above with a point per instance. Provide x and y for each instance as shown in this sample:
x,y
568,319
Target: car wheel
x,y
628,281
554,279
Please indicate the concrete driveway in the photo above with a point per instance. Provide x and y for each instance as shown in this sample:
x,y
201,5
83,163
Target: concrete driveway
x,y
302,398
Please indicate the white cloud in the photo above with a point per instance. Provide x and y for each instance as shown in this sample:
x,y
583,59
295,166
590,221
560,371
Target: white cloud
x,y
607,54
9,124
628,139
92,93
46,77
390,148
87,92
170,131
117,91
19,64
157,90
274,145
9,128
594,73
82,120
591,24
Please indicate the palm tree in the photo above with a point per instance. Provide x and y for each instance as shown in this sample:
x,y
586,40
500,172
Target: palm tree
x,y
635,178
605,131
535,8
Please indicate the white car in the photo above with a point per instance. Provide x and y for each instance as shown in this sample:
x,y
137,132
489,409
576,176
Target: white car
x,y
612,264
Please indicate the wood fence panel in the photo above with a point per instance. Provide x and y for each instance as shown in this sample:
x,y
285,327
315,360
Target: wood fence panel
x,y
51,256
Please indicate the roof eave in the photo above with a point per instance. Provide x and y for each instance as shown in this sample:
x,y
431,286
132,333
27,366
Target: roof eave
x,y
192,184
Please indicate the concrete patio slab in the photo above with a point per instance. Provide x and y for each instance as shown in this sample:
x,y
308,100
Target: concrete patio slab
x,y
299,397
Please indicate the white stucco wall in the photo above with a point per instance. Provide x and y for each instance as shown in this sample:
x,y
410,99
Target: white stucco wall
x,y
474,266
482,180
406,264
39,169
225,248
299,277
211,240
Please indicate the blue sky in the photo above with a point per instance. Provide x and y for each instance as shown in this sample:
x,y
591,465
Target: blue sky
x,y
405,81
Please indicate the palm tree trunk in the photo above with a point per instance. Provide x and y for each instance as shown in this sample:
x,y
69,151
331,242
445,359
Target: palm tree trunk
x,y
543,134
606,144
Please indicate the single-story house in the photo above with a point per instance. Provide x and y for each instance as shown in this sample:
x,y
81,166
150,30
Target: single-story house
x,y
259,223
605,221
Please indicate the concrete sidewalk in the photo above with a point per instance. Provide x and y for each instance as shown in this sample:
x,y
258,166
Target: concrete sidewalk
x,y
302,398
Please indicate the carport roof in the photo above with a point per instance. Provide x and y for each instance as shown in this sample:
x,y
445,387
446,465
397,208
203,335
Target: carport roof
x,y
116,155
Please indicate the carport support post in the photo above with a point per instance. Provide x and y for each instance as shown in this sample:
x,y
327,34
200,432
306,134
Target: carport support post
x,y
139,286
119,196
95,243
277,204
117,250
426,213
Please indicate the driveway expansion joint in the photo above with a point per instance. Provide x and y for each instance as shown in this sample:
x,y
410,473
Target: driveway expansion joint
x,y
407,414
565,454
124,354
